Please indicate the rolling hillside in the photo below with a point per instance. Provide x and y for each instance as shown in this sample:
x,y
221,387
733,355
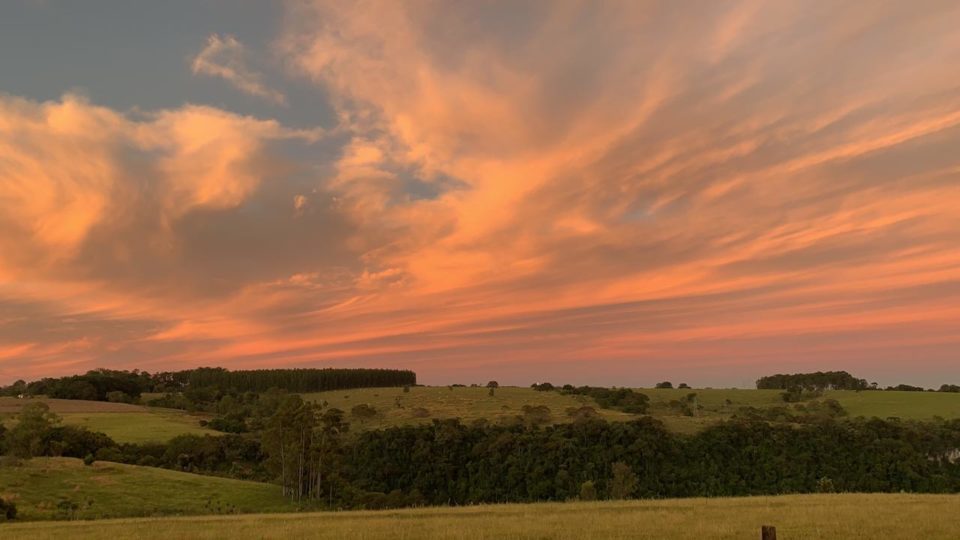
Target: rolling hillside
x,y
123,422
396,407
65,488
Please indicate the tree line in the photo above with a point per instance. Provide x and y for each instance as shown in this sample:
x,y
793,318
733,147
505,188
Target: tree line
x,y
310,452
797,384
128,386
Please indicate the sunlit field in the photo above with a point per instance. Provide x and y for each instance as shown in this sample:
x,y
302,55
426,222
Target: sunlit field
x,y
396,407
798,517
123,422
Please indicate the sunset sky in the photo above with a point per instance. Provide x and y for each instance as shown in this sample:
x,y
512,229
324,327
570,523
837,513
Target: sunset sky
x,y
609,193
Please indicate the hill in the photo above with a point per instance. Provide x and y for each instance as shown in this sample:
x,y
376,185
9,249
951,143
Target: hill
x,y
40,486
123,422
795,516
396,407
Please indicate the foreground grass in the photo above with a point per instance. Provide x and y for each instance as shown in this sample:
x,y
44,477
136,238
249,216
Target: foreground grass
x,y
123,422
105,490
796,517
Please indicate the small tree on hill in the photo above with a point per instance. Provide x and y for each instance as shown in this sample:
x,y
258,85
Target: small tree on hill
x,y
493,384
664,384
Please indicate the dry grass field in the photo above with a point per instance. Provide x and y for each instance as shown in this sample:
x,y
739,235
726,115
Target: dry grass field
x,y
797,517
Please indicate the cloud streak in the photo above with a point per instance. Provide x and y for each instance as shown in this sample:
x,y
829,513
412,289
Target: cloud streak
x,y
225,57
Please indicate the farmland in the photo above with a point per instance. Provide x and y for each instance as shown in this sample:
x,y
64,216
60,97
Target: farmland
x,y
396,407
123,422
795,516
40,487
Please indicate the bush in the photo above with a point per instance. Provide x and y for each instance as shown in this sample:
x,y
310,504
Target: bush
x,y
363,411
119,397
8,510
89,460
109,454
825,485
588,492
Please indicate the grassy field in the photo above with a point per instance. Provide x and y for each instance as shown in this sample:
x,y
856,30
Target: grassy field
x,y
123,422
396,407
105,490
718,404
796,517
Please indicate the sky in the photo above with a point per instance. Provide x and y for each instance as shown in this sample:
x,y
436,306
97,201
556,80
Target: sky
x,y
610,193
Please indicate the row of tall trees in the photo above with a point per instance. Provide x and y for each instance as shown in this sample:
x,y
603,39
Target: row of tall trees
x,y
112,385
291,380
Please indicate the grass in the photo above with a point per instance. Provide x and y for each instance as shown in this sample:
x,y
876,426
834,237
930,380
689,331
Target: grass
x,y
441,402
111,490
148,426
470,404
719,404
123,422
797,517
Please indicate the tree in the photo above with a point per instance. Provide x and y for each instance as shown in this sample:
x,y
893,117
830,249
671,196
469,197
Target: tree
x,y
588,492
26,439
664,384
493,384
624,481
117,396
683,386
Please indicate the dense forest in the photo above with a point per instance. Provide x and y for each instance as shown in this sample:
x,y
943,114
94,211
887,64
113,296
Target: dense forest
x,y
128,386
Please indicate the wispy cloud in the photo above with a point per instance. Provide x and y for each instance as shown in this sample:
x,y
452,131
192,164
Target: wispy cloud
x,y
227,58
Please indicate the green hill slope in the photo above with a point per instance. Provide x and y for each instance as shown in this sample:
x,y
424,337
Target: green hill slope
x,y
396,407
123,422
40,486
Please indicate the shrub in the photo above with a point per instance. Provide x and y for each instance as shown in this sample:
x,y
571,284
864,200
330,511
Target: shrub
x,y
8,510
89,460
588,492
363,411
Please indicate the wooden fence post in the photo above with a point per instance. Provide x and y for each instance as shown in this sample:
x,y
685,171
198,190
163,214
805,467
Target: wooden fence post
x,y
768,532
